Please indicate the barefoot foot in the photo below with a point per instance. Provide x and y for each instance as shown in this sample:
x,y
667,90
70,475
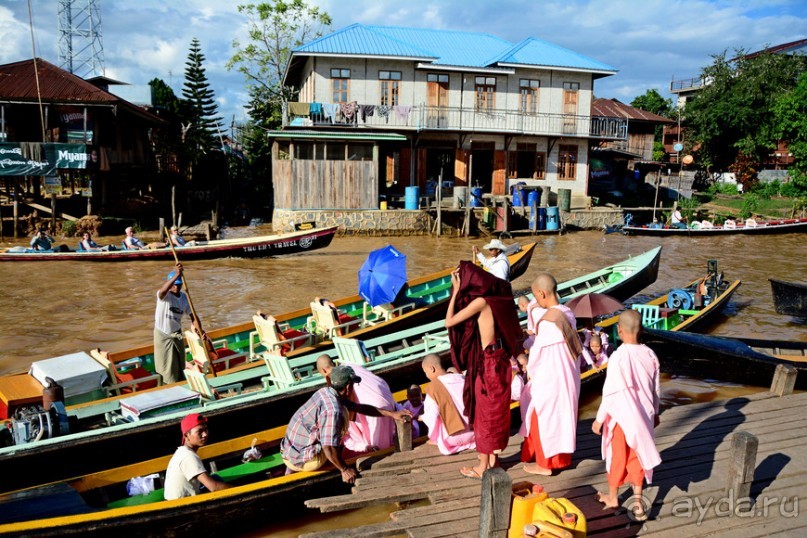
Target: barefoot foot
x,y
534,468
607,500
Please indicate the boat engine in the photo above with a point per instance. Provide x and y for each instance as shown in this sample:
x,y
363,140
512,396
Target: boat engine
x,y
32,423
681,299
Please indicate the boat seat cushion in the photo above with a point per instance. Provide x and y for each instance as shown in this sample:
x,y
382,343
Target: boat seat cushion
x,y
132,374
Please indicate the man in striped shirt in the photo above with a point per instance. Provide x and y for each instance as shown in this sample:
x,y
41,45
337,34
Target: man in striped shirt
x,y
314,434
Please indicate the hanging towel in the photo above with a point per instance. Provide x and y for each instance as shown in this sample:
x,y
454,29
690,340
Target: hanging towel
x,y
349,111
384,111
403,112
330,110
316,109
366,110
299,109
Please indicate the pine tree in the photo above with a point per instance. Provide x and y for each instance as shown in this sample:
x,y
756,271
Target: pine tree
x,y
199,109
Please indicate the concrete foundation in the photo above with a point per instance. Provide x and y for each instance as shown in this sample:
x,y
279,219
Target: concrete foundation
x,y
356,222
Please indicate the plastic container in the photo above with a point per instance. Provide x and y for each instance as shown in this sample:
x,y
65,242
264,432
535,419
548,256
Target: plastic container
x,y
552,218
537,218
525,497
382,205
565,199
519,194
460,197
532,197
560,512
476,197
412,197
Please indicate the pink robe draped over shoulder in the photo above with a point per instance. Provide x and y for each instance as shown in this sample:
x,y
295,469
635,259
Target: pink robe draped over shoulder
x,y
630,398
448,444
553,389
365,431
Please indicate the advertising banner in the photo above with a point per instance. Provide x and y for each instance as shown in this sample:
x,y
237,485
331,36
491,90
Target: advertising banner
x,y
37,159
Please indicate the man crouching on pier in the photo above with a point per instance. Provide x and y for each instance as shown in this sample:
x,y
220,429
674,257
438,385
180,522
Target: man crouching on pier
x,y
628,414
314,434
484,332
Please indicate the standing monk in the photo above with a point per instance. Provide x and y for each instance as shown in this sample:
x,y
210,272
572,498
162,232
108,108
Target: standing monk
x,y
627,415
172,305
484,333
549,402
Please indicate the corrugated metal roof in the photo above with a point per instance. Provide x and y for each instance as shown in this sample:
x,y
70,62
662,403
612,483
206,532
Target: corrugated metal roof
x,y
616,109
17,82
447,47
534,51
363,40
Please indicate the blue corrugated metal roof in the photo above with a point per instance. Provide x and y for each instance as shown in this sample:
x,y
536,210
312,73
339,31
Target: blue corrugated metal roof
x,y
534,51
447,47
363,40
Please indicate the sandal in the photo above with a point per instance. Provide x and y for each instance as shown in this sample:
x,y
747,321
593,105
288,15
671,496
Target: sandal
x,y
470,472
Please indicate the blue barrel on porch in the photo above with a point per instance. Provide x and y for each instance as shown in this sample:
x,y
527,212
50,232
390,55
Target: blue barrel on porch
x,y
412,197
519,194
552,218
476,197
532,198
537,218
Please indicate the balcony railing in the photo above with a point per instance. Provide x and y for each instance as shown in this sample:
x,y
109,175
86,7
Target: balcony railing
x,y
687,84
428,118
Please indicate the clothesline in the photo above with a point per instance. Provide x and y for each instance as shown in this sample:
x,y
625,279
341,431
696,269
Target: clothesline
x,y
349,112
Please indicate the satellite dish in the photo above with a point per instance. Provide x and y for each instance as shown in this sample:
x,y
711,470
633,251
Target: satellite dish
x,y
688,159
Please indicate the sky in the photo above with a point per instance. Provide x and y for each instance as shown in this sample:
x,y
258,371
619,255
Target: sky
x,y
649,42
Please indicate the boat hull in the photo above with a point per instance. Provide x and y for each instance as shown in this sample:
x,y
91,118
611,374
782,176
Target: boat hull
x,y
789,298
255,247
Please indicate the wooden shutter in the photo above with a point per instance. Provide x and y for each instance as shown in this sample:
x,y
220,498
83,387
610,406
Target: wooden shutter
x,y
461,167
421,168
499,182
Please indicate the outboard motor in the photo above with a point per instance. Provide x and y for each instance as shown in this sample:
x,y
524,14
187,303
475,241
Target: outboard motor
x,y
33,423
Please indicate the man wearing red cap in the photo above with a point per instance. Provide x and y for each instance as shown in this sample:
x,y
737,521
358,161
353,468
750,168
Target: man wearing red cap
x,y
186,474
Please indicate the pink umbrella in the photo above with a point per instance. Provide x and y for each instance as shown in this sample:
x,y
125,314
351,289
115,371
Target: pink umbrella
x,y
592,305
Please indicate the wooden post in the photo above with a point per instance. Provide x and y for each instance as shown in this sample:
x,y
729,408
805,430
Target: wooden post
x,y
497,493
742,462
16,207
784,380
53,214
162,229
403,442
506,209
174,205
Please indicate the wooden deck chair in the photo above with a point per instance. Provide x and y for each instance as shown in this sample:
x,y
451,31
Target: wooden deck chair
x,y
272,338
281,375
351,351
224,358
127,379
198,382
328,323
651,314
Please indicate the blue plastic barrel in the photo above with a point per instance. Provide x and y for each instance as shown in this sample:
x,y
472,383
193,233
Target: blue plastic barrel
x,y
412,198
532,198
537,218
519,194
476,197
552,218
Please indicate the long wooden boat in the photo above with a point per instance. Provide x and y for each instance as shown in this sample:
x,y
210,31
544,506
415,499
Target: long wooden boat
x,y
749,227
737,360
789,298
150,437
243,247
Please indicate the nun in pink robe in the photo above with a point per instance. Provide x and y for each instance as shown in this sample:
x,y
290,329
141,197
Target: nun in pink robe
x,y
365,432
448,444
630,400
551,396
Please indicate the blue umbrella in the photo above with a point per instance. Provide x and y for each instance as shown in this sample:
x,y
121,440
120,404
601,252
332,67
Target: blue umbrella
x,y
382,275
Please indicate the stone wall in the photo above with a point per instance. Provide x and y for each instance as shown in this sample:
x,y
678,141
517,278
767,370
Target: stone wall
x,y
350,222
591,219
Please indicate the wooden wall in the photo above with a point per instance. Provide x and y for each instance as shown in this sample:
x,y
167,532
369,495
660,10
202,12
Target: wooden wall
x,y
325,184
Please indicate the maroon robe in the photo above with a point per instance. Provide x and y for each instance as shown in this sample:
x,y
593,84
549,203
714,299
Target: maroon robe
x,y
486,394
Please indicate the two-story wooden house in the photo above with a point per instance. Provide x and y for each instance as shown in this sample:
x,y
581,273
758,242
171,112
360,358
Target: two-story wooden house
x,y
381,108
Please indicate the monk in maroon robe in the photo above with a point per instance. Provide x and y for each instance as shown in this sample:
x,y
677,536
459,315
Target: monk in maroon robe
x,y
484,332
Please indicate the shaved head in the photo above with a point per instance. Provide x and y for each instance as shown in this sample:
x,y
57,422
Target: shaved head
x,y
325,364
630,325
433,360
432,366
545,290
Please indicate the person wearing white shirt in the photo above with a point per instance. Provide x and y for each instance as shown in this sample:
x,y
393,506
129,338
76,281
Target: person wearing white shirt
x,y
497,264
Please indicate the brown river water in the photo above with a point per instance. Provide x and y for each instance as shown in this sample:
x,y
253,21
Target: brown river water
x,y
50,309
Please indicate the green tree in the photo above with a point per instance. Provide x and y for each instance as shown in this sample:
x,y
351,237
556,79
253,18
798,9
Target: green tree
x,y
791,121
275,28
732,116
199,110
652,101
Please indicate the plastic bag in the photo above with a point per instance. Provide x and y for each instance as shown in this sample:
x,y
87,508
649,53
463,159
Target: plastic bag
x,y
141,485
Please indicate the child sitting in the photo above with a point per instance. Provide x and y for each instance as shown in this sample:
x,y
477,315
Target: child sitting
x,y
519,366
414,404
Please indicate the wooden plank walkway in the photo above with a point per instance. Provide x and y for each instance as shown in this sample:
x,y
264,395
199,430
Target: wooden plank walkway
x,y
688,493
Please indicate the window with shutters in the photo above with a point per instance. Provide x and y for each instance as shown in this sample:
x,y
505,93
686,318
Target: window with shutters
x,y
567,163
340,83
390,87
528,89
485,93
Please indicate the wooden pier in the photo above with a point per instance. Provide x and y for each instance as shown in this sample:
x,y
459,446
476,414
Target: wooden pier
x,y
708,458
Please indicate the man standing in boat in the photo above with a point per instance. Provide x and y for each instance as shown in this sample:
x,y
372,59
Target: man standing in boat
x,y
172,305
497,264
186,474
314,434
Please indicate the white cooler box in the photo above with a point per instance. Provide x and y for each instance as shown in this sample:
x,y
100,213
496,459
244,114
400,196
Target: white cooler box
x,y
78,373
158,402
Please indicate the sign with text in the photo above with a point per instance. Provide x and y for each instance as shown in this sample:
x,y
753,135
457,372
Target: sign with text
x,y
37,159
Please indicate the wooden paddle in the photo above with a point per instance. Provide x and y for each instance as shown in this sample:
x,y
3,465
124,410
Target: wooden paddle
x,y
205,339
